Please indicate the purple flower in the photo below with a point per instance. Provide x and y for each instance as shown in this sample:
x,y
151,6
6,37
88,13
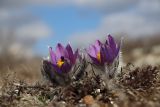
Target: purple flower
x,y
104,53
63,58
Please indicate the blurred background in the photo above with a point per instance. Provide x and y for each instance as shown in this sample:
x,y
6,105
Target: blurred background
x,y
28,27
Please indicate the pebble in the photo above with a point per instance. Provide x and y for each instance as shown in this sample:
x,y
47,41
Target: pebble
x,y
89,100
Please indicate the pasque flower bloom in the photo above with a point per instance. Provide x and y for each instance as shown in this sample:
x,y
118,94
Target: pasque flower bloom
x,y
104,53
105,56
63,59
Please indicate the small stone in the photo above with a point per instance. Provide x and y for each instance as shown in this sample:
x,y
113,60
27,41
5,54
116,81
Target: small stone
x,y
16,91
89,100
98,91
99,97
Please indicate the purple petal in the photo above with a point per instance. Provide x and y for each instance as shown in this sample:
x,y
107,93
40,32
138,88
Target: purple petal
x,y
102,53
69,49
52,55
109,54
106,43
92,51
66,67
60,51
70,53
98,45
57,68
94,60
112,43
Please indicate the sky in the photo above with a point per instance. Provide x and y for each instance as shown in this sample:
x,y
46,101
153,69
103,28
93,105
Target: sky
x,y
28,26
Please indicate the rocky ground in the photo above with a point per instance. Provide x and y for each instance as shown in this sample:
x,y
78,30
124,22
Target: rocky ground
x,y
134,87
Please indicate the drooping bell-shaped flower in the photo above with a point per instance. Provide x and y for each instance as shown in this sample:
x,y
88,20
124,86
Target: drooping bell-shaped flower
x,y
63,59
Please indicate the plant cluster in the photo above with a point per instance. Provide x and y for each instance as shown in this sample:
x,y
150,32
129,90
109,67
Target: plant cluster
x,y
65,65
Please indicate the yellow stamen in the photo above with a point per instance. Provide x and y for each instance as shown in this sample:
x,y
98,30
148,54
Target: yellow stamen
x,y
60,63
99,56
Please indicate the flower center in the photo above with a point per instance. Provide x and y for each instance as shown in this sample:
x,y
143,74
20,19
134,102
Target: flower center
x,y
60,62
99,56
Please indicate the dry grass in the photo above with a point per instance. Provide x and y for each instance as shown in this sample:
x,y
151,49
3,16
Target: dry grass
x,y
22,69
